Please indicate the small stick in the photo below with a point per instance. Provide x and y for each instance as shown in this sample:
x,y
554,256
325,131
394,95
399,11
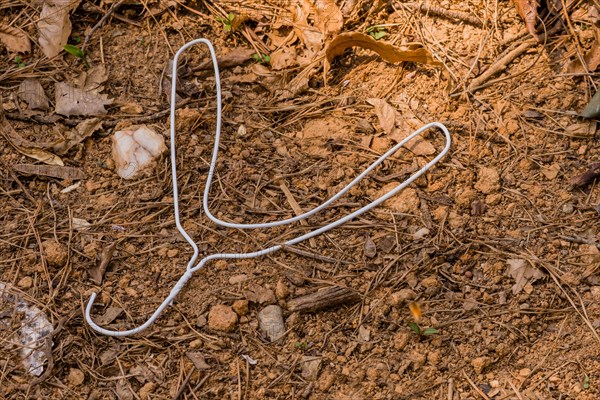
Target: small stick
x,y
297,210
479,391
99,24
501,64
313,255
444,13
183,385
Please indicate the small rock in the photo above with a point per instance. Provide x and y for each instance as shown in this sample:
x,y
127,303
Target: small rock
x,y
430,282
310,367
418,360
326,381
480,363
201,322
405,202
281,290
525,372
400,297
568,208
595,292
570,278
76,377
92,186
222,318
56,253
271,322
25,283
146,390
296,279
400,340
259,294
172,253
488,180
234,280
240,307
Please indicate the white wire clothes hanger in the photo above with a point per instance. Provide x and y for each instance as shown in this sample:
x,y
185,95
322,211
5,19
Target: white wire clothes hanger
x,y
192,266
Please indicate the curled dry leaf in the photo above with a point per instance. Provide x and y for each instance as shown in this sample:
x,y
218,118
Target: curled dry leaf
x,y
14,39
527,9
54,25
388,52
32,92
26,147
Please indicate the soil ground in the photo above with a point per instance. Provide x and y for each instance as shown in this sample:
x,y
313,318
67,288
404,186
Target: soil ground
x,y
500,199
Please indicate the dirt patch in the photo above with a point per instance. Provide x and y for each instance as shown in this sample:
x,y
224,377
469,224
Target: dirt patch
x,y
492,248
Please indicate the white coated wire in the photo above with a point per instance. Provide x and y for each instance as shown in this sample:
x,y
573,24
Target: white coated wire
x,y
191,268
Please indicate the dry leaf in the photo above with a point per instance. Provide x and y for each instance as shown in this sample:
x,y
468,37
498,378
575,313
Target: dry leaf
x,y
75,101
54,25
97,272
523,273
232,58
527,9
198,360
370,248
80,224
328,17
385,113
75,136
310,36
25,146
283,58
32,92
388,52
14,39
109,316
54,171
591,59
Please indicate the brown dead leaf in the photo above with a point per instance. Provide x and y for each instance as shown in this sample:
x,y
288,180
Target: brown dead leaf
x,y
32,92
388,52
591,59
198,360
97,272
109,316
14,39
527,9
523,273
26,147
283,58
54,171
75,136
369,247
232,58
54,25
328,17
385,113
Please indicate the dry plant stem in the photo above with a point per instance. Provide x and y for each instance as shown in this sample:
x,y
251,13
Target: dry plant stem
x,y
297,210
474,386
51,120
294,250
324,298
99,24
183,385
500,65
444,13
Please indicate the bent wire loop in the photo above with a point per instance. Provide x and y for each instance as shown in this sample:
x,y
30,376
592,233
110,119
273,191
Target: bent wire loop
x,y
191,268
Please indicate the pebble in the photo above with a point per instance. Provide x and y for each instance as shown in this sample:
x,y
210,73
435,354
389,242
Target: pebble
x,y
234,280
281,290
76,377
172,253
430,282
525,372
595,292
56,253
271,322
25,283
488,180
222,318
240,307
400,340
480,363
400,297
326,381
310,367
568,208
